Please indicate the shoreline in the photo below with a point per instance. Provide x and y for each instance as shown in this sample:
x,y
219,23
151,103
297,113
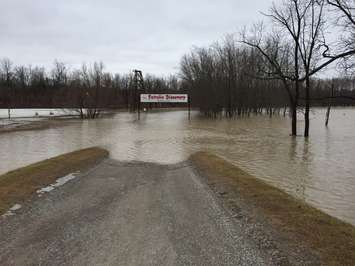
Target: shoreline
x,y
275,217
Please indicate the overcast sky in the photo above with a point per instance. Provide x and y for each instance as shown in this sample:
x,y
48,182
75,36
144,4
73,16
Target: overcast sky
x,y
149,35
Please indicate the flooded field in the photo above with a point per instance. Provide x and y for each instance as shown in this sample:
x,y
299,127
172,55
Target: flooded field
x,y
26,113
320,170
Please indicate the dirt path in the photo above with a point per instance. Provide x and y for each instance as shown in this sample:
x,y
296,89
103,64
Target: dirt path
x,y
127,214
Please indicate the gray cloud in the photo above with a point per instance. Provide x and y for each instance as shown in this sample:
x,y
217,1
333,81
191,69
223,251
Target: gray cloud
x,y
150,35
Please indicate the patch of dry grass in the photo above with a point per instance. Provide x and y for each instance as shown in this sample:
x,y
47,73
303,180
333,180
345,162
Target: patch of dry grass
x,y
18,185
331,238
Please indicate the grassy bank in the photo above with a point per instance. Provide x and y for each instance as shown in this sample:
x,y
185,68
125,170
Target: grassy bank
x,y
332,239
18,185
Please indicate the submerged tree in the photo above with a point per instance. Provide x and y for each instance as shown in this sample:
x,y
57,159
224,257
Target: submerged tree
x,y
303,22
221,79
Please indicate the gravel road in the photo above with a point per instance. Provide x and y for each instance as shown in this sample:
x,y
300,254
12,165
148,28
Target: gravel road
x,y
130,213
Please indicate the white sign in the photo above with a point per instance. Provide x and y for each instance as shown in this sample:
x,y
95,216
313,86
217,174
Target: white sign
x,y
164,98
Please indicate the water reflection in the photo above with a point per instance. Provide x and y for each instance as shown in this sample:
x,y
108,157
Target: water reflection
x,y
319,170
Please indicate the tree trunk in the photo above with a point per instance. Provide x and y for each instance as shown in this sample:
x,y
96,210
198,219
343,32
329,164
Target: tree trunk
x,y
306,121
294,106
294,119
306,114
327,115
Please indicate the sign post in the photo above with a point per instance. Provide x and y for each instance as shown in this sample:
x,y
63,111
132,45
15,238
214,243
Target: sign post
x,y
164,98
139,106
189,106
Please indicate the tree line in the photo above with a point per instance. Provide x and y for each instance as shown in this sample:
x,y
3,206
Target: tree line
x,y
221,80
224,80
275,66
89,88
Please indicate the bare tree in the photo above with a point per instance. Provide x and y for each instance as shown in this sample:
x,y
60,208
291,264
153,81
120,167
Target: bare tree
x,y
279,62
303,22
22,76
59,74
6,70
310,47
344,11
313,40
221,80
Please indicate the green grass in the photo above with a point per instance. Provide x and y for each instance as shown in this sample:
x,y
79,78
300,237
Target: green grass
x,y
19,185
331,238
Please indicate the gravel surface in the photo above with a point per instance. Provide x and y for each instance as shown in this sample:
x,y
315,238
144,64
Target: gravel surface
x,y
128,214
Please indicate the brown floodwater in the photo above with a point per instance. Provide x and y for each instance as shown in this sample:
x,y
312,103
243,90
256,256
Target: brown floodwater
x,y
320,170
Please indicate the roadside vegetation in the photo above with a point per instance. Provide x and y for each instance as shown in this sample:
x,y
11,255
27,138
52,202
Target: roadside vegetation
x,y
332,239
19,185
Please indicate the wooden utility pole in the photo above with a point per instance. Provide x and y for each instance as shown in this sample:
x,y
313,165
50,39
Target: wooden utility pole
x,y
329,104
189,107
